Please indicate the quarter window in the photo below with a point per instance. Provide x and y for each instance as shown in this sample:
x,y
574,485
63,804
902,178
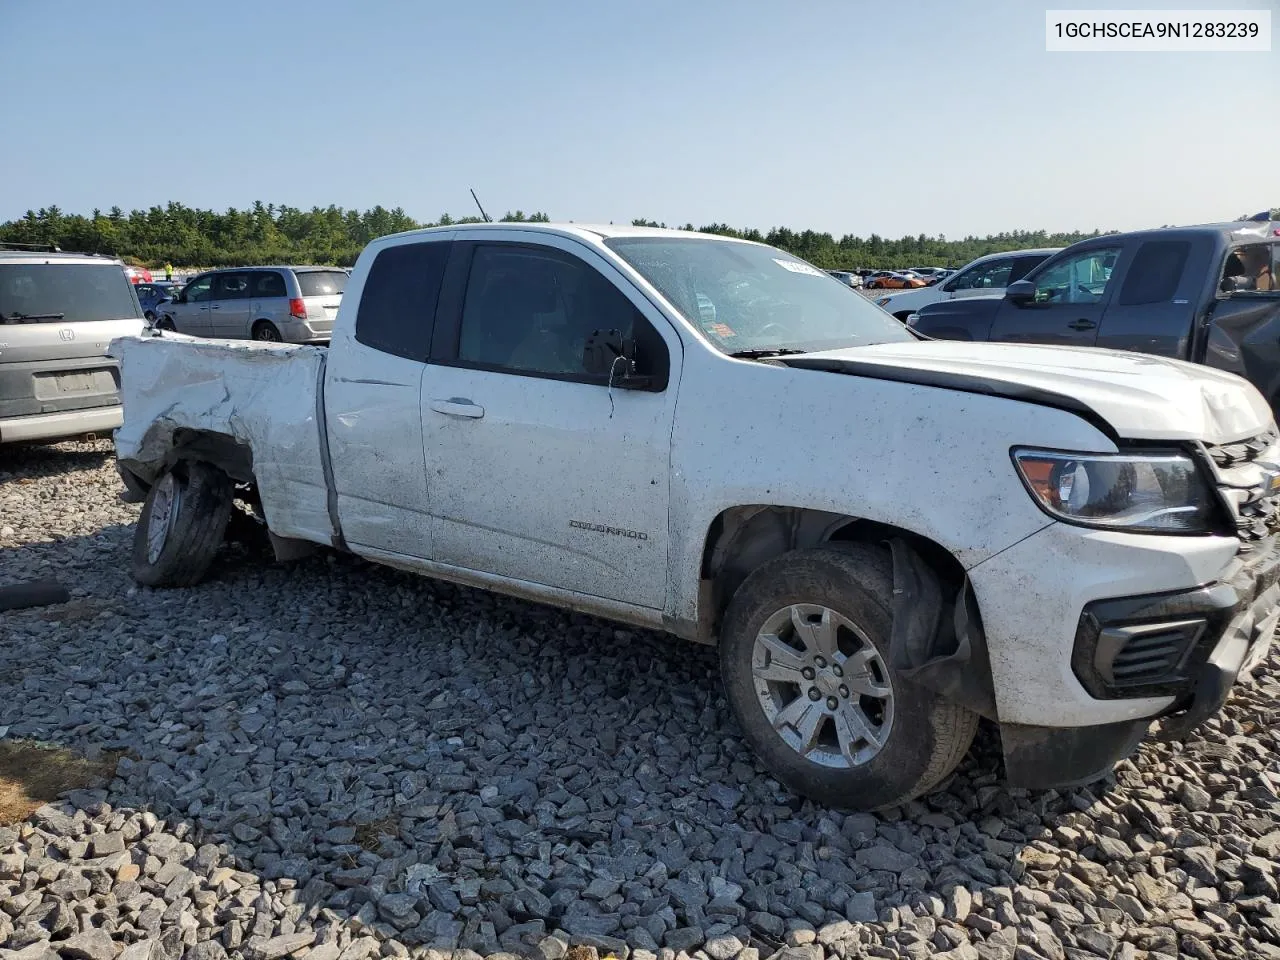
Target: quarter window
x,y
398,305
268,285
1154,274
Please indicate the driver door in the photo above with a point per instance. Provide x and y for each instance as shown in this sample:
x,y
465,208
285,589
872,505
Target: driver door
x,y
1071,295
191,312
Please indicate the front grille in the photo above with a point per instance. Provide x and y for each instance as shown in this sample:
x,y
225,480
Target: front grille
x,y
1246,473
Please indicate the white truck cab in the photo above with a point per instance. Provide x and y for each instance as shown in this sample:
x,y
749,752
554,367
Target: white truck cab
x,y
885,538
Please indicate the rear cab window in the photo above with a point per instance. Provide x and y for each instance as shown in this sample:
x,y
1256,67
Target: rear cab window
x,y
321,283
65,292
398,303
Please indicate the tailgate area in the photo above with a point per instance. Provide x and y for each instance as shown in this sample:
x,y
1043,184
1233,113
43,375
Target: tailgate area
x,y
58,386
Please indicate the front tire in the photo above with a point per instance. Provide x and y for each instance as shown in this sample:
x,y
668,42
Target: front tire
x,y
804,653
182,525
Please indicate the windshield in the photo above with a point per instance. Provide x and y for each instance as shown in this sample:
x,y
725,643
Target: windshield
x,y
322,283
73,292
749,297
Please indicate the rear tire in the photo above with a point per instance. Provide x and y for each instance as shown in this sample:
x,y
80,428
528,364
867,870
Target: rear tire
x,y
183,523
921,735
266,331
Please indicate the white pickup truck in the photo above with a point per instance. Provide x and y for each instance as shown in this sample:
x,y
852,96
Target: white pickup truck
x,y
886,537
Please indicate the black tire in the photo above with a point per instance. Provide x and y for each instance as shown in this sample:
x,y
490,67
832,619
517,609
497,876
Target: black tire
x,y
204,505
902,315
166,323
149,316
929,735
266,331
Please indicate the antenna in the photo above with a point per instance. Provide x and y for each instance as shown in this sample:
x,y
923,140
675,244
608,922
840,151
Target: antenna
x,y
482,213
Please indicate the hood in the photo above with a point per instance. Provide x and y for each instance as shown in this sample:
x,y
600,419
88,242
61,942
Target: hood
x,y
1132,396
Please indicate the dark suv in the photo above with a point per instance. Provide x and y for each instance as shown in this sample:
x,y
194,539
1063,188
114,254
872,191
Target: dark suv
x,y
59,313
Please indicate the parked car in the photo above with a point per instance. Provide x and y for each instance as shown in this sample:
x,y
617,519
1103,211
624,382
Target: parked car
x,y
291,304
1059,540
848,278
137,274
153,296
987,276
58,314
1207,294
895,280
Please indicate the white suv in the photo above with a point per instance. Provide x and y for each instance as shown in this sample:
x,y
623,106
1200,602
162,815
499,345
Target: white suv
x,y
986,276
58,314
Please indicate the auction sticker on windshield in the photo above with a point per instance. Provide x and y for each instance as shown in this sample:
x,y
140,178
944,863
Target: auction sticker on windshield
x,y
796,266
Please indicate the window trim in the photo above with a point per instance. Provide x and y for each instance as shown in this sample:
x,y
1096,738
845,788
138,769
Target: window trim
x,y
449,310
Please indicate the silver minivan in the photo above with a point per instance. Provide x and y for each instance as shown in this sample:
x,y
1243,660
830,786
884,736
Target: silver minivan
x,y
290,304
58,314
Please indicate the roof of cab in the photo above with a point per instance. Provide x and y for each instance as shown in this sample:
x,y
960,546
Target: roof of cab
x,y
590,231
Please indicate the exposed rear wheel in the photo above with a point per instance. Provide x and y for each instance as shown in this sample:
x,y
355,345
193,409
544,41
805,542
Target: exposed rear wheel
x,y
805,657
266,330
182,525
166,323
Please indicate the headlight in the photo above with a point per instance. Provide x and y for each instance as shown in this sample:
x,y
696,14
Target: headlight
x,y
1142,493
882,301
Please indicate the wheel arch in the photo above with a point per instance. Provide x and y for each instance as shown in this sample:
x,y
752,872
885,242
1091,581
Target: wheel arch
x,y
741,538
940,640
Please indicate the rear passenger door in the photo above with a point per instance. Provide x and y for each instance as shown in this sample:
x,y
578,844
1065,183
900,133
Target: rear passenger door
x,y
229,306
1071,294
1152,312
373,378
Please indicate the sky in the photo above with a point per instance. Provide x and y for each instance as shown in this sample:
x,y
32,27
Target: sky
x,y
918,116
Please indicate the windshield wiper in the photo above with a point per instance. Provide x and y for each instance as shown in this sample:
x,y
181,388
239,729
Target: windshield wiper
x,y
32,316
764,352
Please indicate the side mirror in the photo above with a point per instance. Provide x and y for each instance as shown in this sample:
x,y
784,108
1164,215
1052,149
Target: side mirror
x,y
608,355
1020,291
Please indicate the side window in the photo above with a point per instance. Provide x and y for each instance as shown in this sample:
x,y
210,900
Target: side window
x,y
1154,274
531,310
231,286
1024,265
268,284
985,276
1082,278
1250,269
199,290
398,304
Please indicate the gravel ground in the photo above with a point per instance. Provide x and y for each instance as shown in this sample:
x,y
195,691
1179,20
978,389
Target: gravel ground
x,y
340,761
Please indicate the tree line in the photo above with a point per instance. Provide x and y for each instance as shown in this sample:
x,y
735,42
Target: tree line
x,y
271,233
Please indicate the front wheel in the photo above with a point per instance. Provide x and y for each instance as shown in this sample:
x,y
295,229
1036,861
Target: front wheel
x,y
182,525
804,653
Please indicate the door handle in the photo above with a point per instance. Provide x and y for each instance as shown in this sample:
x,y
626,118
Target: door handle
x,y
458,407
215,307
1082,325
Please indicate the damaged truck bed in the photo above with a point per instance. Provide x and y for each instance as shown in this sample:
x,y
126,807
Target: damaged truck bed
x,y
885,538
